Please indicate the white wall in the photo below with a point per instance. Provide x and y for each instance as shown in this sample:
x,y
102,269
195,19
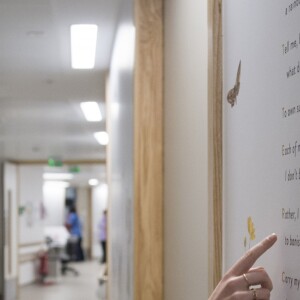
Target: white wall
x,y
186,193
11,241
31,221
27,272
120,110
54,204
31,197
11,230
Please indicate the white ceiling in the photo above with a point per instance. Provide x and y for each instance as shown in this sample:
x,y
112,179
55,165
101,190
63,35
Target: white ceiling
x,y
39,92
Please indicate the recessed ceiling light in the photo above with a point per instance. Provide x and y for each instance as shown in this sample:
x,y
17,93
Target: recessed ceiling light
x,y
58,176
83,45
101,137
93,181
91,111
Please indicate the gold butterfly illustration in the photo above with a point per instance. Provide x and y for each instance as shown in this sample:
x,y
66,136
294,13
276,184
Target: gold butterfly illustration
x,y
233,93
251,231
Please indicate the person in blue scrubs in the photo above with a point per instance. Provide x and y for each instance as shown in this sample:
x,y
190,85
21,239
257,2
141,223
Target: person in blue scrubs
x,y
75,228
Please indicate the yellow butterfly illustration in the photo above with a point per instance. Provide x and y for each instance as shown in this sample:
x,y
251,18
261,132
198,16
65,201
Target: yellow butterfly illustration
x,y
251,231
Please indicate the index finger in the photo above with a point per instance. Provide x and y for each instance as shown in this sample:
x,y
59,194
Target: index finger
x,y
247,261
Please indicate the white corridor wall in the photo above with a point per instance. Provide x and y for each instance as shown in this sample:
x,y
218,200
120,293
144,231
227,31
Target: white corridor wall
x,y
186,154
120,160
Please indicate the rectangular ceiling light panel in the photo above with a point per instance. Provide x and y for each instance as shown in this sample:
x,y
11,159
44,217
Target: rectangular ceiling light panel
x,y
101,137
91,111
58,176
83,45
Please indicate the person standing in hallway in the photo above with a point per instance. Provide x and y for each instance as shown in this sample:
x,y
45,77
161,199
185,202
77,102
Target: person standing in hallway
x,y
102,229
74,226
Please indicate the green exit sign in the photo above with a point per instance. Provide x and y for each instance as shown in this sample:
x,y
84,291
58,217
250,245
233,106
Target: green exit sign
x,y
74,169
54,162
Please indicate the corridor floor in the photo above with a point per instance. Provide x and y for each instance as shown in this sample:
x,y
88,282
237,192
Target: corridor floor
x,y
69,287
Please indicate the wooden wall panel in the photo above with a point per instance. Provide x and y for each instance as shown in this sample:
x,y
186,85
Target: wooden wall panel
x,y
215,116
148,151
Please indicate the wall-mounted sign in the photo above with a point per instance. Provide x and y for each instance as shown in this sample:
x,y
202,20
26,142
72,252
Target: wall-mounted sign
x,y
261,135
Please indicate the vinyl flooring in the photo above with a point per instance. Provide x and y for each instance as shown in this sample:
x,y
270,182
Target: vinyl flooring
x,y
69,287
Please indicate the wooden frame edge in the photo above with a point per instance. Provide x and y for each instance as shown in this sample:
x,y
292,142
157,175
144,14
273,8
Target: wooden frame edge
x,y
215,79
148,151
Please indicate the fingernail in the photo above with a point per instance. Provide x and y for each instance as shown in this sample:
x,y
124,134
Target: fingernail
x,y
272,237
